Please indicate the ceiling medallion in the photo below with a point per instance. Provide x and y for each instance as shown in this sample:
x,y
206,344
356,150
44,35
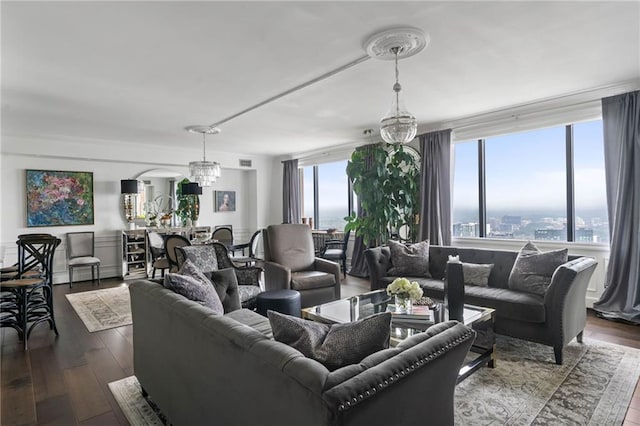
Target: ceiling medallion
x,y
398,125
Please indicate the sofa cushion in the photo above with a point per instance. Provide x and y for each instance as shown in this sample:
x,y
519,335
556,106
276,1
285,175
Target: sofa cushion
x,y
533,269
253,320
306,280
226,285
194,289
334,345
409,260
507,303
248,292
203,256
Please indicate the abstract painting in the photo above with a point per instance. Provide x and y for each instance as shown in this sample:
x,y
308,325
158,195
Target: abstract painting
x,y
225,201
57,198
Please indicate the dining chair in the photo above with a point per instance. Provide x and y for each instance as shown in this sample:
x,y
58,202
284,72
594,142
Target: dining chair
x,y
224,235
28,298
252,245
336,250
158,255
170,244
81,254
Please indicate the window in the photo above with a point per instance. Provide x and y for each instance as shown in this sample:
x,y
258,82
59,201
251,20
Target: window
x,y
546,184
465,194
326,194
590,192
526,185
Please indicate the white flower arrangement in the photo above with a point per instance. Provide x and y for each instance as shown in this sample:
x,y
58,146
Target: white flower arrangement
x,y
404,288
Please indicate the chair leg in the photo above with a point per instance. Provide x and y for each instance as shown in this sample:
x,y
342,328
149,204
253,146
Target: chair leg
x,y
579,337
153,273
93,274
344,267
70,277
557,351
98,268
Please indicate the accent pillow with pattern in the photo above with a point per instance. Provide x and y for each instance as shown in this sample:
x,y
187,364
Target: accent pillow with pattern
x,y
533,269
334,345
194,289
203,256
411,260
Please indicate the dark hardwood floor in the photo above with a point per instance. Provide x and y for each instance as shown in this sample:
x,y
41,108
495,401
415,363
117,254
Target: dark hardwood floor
x,y
63,381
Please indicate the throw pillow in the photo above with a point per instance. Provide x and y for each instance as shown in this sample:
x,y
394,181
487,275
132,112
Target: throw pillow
x,y
203,256
476,273
225,283
195,290
334,345
533,269
412,260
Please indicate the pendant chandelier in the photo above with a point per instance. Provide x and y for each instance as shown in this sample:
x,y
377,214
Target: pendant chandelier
x,y
398,125
204,172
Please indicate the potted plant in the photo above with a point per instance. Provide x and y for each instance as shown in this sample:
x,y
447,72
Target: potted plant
x,y
188,209
386,179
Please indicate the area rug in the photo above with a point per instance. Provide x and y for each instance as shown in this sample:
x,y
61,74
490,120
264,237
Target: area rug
x,y
134,406
102,309
593,387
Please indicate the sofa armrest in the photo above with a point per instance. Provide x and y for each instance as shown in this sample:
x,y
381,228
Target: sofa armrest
x,y
565,298
425,358
324,265
276,276
378,261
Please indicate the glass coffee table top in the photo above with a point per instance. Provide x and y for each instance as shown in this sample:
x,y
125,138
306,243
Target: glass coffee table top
x,y
351,309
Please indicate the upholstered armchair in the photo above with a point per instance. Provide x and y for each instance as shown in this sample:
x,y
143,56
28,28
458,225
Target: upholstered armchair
x,y
213,257
290,263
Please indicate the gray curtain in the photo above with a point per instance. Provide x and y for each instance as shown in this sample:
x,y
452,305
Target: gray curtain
x,y
290,192
621,120
358,263
435,188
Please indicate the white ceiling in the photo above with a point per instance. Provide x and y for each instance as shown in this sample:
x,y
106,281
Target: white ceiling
x,y
141,71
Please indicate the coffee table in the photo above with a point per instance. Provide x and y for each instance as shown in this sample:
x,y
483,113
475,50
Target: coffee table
x,y
351,309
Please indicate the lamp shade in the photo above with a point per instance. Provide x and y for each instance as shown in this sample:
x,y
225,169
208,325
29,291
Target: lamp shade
x,y
128,186
191,188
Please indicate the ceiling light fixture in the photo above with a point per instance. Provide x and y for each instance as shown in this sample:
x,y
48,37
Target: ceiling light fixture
x,y
204,172
398,125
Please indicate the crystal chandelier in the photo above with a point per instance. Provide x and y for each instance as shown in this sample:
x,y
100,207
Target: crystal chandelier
x,y
398,125
204,172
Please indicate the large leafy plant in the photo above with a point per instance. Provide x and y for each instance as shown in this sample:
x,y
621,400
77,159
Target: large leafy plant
x,y
188,205
386,180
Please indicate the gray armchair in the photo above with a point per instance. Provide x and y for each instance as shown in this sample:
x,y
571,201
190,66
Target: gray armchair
x,y
290,263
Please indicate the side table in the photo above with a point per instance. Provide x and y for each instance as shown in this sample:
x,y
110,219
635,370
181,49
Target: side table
x,y
283,301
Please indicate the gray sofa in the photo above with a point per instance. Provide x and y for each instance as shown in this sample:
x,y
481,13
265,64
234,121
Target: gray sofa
x,y
553,320
203,369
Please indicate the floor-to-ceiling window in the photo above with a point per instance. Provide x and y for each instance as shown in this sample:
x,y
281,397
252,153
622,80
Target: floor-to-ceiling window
x,y
326,194
546,184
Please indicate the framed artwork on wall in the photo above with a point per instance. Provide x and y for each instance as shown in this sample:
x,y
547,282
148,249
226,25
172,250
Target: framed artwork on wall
x,y
225,201
59,198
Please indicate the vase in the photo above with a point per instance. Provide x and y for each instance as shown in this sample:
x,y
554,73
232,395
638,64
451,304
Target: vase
x,y
403,304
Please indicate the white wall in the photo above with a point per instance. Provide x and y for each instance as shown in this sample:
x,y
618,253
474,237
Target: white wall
x,y
110,162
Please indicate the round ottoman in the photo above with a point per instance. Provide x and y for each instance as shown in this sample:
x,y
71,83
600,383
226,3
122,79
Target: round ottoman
x,y
283,301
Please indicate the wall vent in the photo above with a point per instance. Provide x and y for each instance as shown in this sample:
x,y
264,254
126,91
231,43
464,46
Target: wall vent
x,y
245,163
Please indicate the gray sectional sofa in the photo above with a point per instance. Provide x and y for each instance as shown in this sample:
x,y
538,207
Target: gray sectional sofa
x,y
203,369
553,319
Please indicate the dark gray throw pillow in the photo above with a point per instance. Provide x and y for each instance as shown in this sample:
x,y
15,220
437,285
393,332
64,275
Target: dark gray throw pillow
x,y
194,289
476,273
412,260
533,269
334,345
226,284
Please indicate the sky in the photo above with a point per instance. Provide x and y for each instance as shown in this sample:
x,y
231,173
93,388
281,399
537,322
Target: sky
x,y
528,171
